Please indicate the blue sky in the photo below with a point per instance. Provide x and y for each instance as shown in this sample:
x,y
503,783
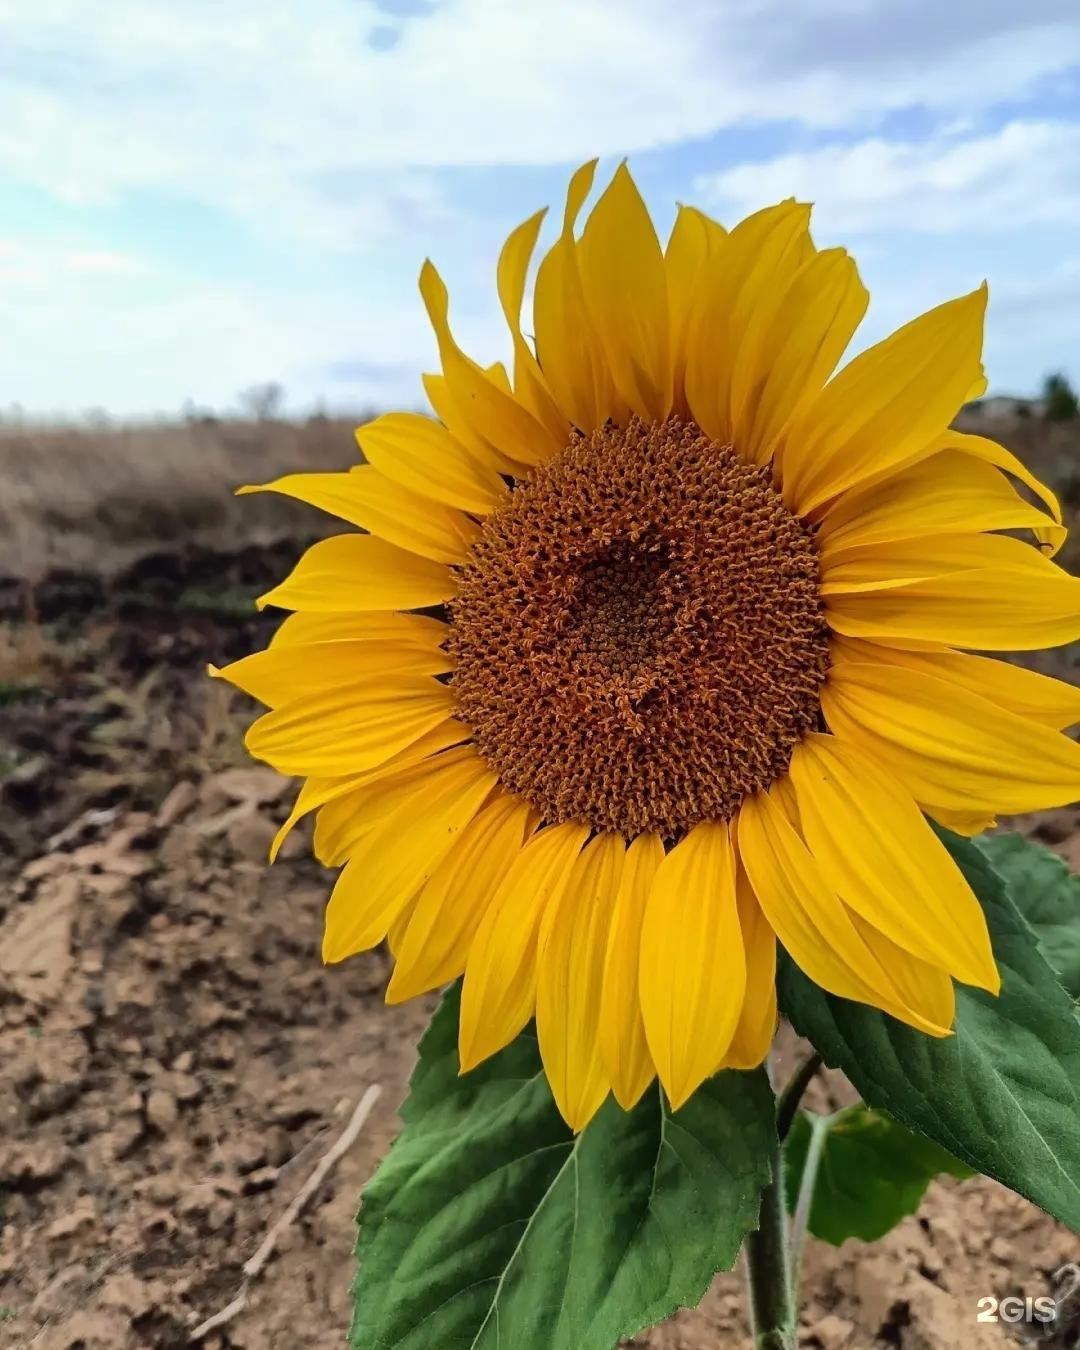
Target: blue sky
x,y
196,196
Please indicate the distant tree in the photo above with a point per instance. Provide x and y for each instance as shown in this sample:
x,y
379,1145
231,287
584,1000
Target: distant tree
x,y
1060,403
197,416
262,402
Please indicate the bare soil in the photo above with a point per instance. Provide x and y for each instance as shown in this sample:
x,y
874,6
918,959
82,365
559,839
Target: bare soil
x,y
174,1059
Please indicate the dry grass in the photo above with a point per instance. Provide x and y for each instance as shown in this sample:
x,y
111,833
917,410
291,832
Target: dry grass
x,y
96,499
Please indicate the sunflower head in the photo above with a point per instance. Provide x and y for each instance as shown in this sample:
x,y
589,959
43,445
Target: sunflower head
x,y
639,637
653,652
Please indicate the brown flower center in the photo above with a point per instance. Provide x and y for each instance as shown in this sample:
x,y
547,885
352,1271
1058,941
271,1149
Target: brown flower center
x,y
638,632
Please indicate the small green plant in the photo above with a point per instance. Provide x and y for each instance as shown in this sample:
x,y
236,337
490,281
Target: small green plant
x,y
17,691
226,602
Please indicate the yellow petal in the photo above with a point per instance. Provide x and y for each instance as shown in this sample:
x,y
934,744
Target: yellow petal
x,y
981,448
1054,703
314,792
886,404
744,270
397,929
498,376
278,674
900,562
504,459
876,851
423,457
947,745
394,859
448,910
757,1023
367,498
317,792
809,918
967,823
693,239
447,408
360,571
623,1045
570,974
568,348
1010,597
514,259
792,343
783,794
418,630
692,965
947,493
919,984
499,992
529,382
622,272
346,817
348,730
490,411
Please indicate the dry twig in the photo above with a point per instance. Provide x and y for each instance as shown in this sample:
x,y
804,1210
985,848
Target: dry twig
x,y
253,1268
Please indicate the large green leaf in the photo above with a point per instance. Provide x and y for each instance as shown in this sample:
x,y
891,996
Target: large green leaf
x,y
1003,1093
489,1225
1042,889
871,1172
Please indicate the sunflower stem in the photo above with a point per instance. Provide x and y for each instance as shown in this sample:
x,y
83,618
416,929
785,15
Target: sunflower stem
x,y
800,1222
772,1307
787,1104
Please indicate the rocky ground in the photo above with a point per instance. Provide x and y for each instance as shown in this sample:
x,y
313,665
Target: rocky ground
x,y
175,1060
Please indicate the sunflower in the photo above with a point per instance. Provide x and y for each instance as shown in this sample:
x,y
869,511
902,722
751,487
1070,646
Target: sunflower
x,y
653,655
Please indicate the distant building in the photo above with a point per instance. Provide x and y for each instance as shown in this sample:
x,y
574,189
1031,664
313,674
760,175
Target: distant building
x,y
1004,405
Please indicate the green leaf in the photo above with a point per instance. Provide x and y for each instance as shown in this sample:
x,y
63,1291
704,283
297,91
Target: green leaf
x,y
489,1225
871,1172
1003,1093
1046,895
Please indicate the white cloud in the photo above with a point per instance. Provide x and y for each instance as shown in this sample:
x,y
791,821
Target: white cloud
x,y
1033,327
929,219
339,126
287,115
1026,173
97,329
36,265
103,260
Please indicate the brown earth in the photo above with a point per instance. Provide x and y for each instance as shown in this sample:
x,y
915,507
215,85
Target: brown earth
x,y
175,1059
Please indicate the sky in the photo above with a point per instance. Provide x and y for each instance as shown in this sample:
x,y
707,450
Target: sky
x,y
201,195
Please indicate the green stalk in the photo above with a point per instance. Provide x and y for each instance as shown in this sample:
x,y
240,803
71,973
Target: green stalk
x,y
787,1104
772,1308
800,1220
769,1265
